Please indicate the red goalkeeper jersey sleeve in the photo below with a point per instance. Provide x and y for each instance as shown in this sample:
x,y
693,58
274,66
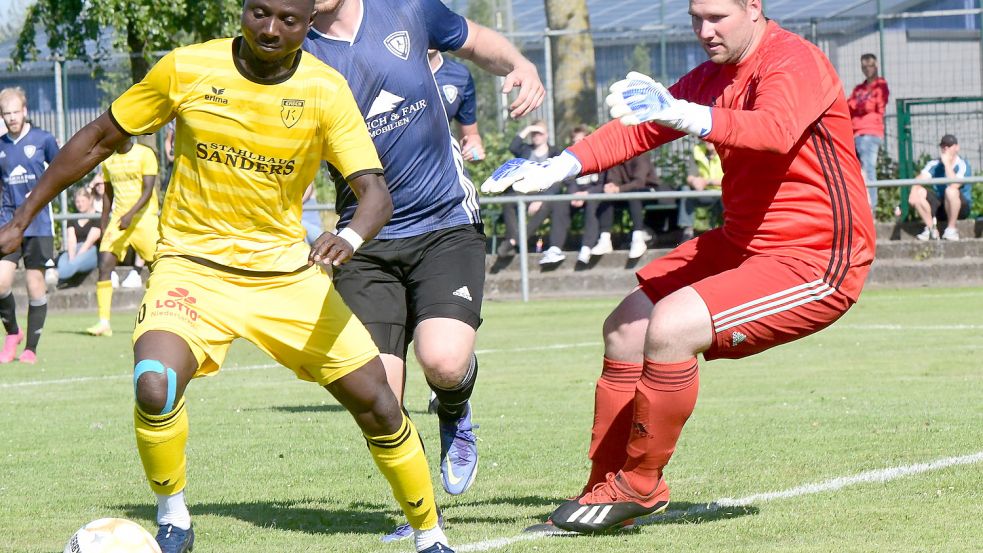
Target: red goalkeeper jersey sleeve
x,y
792,183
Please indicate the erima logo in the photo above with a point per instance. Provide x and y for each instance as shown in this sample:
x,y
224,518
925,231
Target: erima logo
x,y
450,92
383,103
416,504
737,338
216,96
463,292
399,44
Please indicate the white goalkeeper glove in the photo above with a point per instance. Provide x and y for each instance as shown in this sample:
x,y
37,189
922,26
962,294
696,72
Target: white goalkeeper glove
x,y
637,99
526,176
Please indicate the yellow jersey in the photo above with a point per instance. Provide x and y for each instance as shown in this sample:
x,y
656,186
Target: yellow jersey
x,y
245,151
125,172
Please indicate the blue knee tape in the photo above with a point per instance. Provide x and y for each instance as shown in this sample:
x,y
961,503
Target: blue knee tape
x,y
154,366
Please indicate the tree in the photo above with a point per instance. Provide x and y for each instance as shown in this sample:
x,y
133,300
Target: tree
x,y
574,89
139,27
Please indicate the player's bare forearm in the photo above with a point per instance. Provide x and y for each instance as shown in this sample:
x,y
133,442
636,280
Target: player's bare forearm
x,y
91,145
375,205
145,193
494,53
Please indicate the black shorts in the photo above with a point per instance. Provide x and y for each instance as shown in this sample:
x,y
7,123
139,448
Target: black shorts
x,y
37,252
938,205
392,285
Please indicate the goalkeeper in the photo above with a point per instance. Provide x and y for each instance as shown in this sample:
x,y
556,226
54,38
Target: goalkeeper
x,y
790,259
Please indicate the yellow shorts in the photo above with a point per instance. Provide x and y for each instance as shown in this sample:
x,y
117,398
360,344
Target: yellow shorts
x,y
299,319
142,234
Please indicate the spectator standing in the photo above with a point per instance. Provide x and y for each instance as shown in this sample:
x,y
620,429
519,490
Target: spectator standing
x,y
129,219
705,173
81,242
25,152
868,103
952,201
460,102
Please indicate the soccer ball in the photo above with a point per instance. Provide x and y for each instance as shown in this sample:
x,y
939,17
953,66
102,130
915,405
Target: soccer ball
x,y
112,535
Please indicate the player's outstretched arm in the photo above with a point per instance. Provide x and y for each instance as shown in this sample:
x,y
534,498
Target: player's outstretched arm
x,y
375,207
90,146
494,53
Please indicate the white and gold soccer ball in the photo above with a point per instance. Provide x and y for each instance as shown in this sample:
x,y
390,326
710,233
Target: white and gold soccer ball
x,y
112,535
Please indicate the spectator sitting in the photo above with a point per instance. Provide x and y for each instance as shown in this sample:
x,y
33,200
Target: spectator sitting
x,y
867,104
951,200
705,173
530,143
311,219
81,243
635,175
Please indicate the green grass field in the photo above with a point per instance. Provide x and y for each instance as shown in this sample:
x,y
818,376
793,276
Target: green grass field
x,y
276,466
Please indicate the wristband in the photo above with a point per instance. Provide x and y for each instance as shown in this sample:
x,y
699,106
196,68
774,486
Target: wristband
x,y
352,237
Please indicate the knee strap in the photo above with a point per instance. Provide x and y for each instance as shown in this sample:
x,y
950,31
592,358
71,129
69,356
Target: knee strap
x,y
153,365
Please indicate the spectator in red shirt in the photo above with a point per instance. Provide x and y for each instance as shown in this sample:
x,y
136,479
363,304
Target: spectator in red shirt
x,y
867,104
790,259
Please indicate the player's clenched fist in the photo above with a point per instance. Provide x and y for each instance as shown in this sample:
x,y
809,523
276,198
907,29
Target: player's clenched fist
x,y
334,249
526,176
10,238
637,99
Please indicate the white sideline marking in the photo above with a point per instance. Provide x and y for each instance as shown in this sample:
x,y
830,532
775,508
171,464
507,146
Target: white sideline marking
x,y
116,376
81,379
867,477
906,327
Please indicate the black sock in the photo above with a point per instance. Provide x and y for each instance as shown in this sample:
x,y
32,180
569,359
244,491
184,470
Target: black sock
x,y
454,402
8,313
37,311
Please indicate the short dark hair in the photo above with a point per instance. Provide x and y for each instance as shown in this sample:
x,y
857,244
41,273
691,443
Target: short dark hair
x,y
948,140
868,56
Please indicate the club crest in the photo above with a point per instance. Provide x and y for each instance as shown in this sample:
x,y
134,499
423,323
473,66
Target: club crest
x,y
30,150
399,44
450,92
290,111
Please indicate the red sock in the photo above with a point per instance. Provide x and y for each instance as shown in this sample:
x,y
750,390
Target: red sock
x,y
665,398
612,418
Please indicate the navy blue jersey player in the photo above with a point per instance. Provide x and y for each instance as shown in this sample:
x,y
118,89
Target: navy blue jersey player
x,y
460,102
25,152
422,278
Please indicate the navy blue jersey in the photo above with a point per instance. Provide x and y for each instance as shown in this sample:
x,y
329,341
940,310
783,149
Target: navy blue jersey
x,y
21,163
387,69
457,90
934,169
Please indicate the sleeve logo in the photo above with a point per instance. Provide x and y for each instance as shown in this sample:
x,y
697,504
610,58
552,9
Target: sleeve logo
x,y
290,111
450,92
399,44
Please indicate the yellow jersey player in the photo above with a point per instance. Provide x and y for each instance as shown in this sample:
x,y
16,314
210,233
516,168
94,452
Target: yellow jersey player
x,y
130,174
255,117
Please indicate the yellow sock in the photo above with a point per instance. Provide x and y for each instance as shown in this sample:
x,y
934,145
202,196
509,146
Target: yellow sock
x,y
401,460
161,440
104,297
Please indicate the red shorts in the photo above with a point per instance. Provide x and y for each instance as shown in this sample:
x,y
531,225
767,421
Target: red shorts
x,y
756,301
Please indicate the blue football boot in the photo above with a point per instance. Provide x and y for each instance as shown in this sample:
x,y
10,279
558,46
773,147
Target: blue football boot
x,y
458,453
172,539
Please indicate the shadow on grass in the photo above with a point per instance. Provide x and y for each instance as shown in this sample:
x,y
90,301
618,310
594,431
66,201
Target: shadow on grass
x,y
320,408
297,516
